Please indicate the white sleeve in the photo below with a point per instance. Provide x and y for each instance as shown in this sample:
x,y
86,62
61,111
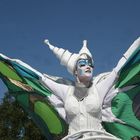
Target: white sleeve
x,y
60,90
127,55
104,85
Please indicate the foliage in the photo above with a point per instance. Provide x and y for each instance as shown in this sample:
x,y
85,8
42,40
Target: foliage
x,y
15,124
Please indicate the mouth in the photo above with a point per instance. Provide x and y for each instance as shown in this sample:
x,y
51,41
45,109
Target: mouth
x,y
88,71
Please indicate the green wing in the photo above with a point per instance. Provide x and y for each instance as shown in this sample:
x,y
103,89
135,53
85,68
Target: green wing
x,y
23,83
126,104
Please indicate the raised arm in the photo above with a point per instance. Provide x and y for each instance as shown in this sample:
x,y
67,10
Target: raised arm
x,y
60,90
127,55
105,82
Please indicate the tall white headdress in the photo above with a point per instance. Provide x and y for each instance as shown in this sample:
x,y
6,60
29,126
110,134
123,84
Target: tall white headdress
x,y
67,58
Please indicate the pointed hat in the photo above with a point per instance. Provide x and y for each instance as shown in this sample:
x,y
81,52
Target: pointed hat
x,y
67,58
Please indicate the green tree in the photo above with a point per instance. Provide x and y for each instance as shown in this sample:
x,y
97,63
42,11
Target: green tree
x,y
15,124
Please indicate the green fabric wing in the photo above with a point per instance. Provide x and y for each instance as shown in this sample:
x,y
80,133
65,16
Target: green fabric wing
x,y
126,104
24,85
130,72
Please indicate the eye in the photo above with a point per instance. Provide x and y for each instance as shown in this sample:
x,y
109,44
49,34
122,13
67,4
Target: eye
x,y
91,65
82,65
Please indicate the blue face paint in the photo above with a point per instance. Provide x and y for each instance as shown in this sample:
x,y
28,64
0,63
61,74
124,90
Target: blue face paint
x,y
84,62
81,72
82,67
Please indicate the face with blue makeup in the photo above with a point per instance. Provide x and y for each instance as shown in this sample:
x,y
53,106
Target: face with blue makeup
x,y
84,68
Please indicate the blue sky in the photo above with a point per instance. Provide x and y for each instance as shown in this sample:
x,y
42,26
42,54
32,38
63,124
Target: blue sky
x,y
110,26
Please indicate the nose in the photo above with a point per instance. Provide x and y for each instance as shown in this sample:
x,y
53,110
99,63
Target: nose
x,y
88,67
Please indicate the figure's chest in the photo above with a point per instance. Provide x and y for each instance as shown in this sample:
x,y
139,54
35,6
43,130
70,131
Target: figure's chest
x,y
89,104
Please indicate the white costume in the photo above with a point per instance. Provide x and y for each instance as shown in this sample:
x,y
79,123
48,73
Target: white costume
x,y
82,112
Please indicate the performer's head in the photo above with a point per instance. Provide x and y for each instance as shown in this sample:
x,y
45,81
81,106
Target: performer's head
x,y
79,65
84,68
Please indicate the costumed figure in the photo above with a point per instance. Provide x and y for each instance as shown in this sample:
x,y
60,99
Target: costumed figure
x,y
90,106
82,102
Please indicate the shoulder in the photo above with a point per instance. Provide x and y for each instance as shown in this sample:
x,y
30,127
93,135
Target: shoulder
x,y
59,80
97,79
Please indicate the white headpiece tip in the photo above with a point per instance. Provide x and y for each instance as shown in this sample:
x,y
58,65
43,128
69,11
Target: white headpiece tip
x,y
46,41
84,49
84,43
